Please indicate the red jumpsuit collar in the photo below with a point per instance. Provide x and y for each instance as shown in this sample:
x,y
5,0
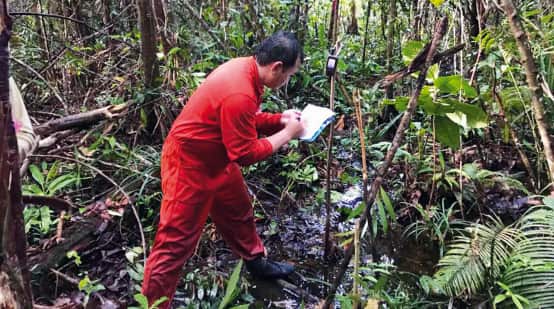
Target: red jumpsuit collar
x,y
256,75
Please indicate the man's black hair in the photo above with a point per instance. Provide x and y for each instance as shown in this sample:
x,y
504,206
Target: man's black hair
x,y
281,46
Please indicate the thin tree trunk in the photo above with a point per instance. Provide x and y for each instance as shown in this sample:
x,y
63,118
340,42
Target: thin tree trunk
x,y
161,23
531,74
148,41
390,43
15,289
353,27
367,14
333,23
148,52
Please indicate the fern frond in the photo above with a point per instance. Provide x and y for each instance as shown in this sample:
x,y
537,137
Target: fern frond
x,y
468,262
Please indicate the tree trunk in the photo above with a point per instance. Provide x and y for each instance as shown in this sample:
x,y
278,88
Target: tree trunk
x,y
390,43
531,74
353,27
15,290
148,43
160,12
367,14
333,23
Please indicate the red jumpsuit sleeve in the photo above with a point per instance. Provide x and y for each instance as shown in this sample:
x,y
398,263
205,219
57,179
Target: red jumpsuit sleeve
x,y
238,130
268,124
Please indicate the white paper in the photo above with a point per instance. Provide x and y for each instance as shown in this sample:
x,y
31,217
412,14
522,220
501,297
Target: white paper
x,y
316,119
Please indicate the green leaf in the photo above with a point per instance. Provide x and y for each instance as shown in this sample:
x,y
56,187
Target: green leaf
x,y
438,108
158,302
143,118
141,300
499,298
388,204
410,50
230,291
60,183
84,283
356,212
515,98
400,103
45,220
433,72
453,84
447,132
382,215
53,172
437,3
245,306
467,116
37,174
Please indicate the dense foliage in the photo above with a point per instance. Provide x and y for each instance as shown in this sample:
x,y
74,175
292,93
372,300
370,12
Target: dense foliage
x,y
460,187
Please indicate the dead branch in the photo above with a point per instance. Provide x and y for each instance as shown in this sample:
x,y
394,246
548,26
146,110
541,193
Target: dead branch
x,y
418,63
301,292
81,120
55,203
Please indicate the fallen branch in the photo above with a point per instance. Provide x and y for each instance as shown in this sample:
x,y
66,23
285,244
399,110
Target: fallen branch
x,y
67,278
119,189
440,29
301,292
51,140
417,64
81,120
50,201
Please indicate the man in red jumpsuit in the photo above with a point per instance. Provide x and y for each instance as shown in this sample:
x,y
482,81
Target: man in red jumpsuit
x,y
216,132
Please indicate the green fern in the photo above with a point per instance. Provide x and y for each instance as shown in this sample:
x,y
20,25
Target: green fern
x,y
521,256
466,265
533,274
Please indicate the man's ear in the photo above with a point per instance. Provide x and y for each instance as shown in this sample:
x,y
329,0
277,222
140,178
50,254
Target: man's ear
x,y
277,66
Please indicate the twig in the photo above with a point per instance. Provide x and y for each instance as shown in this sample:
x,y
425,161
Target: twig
x,y
304,294
56,94
202,22
440,29
53,16
65,277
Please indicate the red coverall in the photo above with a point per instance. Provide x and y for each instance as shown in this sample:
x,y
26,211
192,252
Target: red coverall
x,y
216,129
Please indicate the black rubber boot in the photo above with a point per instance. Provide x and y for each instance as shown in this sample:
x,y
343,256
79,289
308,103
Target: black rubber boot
x,y
266,268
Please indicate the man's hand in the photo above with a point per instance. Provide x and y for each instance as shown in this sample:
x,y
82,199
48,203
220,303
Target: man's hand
x,y
290,114
295,127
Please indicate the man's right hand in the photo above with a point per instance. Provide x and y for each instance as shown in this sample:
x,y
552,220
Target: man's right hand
x,y
295,127
292,129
